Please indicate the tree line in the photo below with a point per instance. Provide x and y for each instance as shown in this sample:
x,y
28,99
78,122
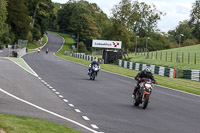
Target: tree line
x,y
187,32
25,19
128,21
132,22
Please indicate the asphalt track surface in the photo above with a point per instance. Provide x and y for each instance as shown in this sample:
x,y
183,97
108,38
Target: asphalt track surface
x,y
24,85
107,101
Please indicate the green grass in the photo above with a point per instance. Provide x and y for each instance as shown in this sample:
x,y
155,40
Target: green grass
x,y
31,45
19,124
21,63
178,84
167,58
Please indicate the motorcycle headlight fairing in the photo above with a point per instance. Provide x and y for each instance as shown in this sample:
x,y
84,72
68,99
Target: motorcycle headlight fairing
x,y
148,86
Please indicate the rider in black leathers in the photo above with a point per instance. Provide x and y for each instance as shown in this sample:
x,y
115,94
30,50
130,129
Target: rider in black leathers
x,y
143,74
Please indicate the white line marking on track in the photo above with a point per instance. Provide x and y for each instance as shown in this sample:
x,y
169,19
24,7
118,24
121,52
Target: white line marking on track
x,y
50,112
94,126
57,93
50,87
179,91
60,96
42,81
86,118
34,73
39,78
45,83
71,105
53,89
77,110
65,100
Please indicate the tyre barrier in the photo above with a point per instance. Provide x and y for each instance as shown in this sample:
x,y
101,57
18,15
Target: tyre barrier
x,y
87,57
162,71
191,74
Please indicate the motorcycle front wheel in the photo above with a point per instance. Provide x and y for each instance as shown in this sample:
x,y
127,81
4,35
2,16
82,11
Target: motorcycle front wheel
x,y
146,101
93,76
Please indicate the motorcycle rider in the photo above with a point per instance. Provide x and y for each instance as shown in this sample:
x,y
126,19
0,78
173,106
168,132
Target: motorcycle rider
x,y
47,51
143,74
95,62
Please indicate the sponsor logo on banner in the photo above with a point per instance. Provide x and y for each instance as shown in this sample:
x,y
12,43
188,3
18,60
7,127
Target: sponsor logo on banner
x,y
106,44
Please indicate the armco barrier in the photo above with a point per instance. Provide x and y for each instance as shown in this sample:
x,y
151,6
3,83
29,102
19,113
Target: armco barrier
x,y
163,71
191,74
86,57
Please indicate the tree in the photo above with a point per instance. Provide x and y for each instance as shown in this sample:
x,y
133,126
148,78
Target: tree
x,y
102,22
76,18
18,18
4,29
195,19
139,18
146,20
185,29
134,19
42,14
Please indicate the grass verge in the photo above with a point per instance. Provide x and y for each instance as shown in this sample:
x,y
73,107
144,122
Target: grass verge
x,y
178,84
31,46
20,62
168,58
19,124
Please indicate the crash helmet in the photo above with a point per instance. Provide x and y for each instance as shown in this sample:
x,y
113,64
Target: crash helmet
x,y
95,60
148,69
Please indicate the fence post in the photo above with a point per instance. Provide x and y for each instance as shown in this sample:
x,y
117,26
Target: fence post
x,y
161,56
177,57
152,55
135,51
182,57
195,57
171,56
188,58
166,55
156,54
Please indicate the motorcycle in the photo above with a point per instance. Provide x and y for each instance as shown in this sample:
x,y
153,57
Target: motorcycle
x,y
143,94
93,71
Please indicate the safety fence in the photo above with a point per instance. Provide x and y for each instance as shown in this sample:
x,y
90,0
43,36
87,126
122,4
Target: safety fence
x,y
169,56
163,71
191,74
87,57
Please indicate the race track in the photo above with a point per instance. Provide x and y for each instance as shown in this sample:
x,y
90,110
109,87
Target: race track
x,y
107,101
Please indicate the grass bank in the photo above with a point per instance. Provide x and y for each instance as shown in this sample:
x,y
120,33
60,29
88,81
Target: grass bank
x,y
31,46
168,58
19,124
178,84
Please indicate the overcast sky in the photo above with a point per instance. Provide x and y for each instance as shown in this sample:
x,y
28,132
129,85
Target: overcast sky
x,y
176,10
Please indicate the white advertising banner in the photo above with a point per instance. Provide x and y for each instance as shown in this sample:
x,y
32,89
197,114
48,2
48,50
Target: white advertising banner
x,y
106,44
